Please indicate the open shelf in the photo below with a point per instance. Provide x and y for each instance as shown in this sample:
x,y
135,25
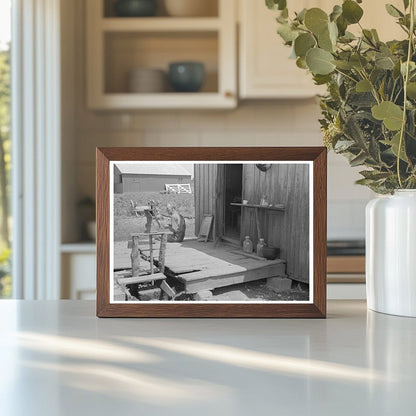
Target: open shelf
x,y
118,45
279,207
126,51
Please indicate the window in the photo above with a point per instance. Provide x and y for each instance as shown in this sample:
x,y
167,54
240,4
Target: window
x,y
5,147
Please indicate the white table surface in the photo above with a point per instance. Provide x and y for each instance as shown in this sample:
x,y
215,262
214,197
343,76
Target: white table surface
x,y
57,358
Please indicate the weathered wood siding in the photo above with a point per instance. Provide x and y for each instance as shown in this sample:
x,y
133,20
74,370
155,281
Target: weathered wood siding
x,y
286,184
205,176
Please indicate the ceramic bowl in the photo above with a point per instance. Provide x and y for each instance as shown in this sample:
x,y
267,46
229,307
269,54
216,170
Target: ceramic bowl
x,y
270,253
186,76
191,8
147,80
135,8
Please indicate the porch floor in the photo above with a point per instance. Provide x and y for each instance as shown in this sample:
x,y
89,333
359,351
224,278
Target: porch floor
x,y
204,266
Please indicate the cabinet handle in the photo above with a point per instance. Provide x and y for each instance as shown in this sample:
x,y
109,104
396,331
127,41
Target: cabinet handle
x,y
229,94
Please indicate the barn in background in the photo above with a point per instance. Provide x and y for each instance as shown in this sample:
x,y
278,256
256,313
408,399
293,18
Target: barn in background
x,y
220,190
140,177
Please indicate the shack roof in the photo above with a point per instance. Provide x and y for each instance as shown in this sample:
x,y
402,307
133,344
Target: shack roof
x,y
153,169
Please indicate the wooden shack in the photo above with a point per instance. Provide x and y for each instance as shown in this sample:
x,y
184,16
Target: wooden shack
x,y
221,188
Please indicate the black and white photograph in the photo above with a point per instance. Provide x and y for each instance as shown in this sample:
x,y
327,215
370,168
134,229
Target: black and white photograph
x,y
210,232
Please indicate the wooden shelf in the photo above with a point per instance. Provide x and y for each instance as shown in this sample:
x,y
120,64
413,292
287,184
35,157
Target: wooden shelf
x,y
81,247
160,24
163,100
279,207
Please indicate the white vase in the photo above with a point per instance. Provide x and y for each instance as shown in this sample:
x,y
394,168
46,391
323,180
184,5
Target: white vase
x,y
391,253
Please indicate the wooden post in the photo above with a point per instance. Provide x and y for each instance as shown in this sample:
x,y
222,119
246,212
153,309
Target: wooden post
x,y
162,252
135,256
258,223
148,226
151,252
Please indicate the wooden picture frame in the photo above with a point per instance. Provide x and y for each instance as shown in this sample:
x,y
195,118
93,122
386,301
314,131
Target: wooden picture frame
x,y
283,157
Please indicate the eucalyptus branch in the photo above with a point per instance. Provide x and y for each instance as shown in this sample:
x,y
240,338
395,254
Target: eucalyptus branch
x,y
346,75
406,80
373,88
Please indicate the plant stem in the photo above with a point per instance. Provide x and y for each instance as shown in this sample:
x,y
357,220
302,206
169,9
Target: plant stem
x,y
406,80
346,75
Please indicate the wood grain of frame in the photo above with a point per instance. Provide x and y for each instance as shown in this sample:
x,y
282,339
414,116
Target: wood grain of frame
x,y
317,309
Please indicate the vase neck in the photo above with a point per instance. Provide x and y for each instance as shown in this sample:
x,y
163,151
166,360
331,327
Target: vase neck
x,y
405,192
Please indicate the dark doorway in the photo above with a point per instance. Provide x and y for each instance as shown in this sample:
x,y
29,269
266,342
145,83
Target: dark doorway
x,y
233,193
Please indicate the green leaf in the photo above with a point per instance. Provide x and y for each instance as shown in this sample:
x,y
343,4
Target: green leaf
x,y
287,33
344,65
406,4
343,145
411,90
336,12
351,11
301,15
316,20
384,62
363,86
347,37
393,11
358,61
303,43
358,160
276,4
325,42
301,63
320,61
412,67
333,32
394,145
342,25
353,131
374,175
368,36
388,112
321,79
375,35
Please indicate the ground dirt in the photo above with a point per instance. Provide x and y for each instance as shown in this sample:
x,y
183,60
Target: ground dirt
x,y
259,291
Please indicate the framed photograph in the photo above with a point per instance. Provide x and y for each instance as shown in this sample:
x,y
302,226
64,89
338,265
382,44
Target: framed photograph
x,y
211,232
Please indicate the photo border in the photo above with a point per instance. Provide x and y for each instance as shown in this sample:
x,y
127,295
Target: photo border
x,y
315,308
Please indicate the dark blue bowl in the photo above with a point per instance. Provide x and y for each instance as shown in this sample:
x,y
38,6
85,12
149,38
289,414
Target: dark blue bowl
x,y
135,8
187,76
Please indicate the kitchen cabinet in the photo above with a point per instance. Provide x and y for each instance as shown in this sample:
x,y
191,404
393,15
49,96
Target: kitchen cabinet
x,y
265,69
78,263
118,45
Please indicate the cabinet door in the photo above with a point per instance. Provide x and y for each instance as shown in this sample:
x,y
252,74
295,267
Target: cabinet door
x,y
265,68
78,276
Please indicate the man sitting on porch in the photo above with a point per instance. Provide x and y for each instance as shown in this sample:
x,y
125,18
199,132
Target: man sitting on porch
x,y
177,225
